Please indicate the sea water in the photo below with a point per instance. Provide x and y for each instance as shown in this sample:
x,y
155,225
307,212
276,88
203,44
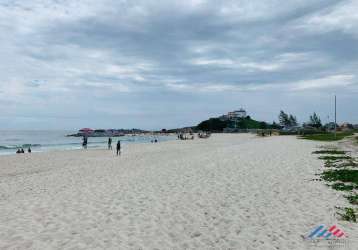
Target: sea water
x,y
46,140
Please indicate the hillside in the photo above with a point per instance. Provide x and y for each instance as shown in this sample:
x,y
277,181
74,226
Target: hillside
x,y
218,125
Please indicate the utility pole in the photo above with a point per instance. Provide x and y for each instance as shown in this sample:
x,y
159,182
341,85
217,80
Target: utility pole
x,y
335,117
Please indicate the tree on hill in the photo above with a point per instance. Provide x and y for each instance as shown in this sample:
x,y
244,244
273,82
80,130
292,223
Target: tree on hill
x,y
315,121
275,125
283,119
263,125
217,125
213,124
287,120
293,120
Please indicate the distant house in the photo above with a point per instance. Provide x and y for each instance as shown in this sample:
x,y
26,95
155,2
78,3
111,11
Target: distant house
x,y
330,126
346,126
85,131
241,113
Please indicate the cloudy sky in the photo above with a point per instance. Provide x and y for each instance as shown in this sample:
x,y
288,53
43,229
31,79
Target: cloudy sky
x,y
162,64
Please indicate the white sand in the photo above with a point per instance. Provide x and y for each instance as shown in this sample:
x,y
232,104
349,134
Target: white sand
x,y
350,144
226,192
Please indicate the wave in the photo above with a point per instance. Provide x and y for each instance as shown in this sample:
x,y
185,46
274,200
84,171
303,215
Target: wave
x,y
2,147
28,145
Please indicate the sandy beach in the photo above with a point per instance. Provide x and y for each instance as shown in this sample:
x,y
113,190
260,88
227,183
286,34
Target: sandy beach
x,y
231,191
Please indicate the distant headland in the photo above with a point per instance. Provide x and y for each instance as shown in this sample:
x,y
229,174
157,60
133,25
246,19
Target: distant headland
x,y
88,132
232,122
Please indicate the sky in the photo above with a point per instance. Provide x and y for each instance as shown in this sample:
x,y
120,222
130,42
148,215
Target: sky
x,y
155,64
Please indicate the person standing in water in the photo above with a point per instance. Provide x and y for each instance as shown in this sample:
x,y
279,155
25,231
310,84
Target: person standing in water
x,y
118,147
109,143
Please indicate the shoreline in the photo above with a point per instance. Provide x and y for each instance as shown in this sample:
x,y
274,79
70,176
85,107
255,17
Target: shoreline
x,y
94,143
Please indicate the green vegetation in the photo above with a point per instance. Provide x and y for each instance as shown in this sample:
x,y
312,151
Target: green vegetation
x,y
326,136
250,123
335,152
342,187
288,132
334,158
213,125
343,175
353,199
287,120
349,214
346,164
315,121
217,125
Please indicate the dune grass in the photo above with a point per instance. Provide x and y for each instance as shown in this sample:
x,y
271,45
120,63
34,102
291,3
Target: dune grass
x,y
348,214
333,152
326,136
334,158
342,175
345,164
342,187
353,199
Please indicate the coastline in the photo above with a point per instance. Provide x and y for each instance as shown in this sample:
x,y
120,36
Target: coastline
x,y
45,141
234,191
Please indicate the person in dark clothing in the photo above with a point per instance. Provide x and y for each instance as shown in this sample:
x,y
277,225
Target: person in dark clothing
x,y
29,150
22,151
109,143
84,144
118,147
18,151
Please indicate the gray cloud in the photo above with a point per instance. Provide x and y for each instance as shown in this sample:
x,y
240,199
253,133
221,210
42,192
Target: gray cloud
x,y
130,60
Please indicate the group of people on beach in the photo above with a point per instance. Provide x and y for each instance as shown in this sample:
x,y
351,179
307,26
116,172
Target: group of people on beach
x,y
118,148
22,151
182,136
264,132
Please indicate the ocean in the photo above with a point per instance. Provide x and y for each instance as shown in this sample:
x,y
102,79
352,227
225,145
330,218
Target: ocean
x,y
46,140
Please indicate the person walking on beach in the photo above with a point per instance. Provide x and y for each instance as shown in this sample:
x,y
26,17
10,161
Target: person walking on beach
x,y
84,144
118,147
109,143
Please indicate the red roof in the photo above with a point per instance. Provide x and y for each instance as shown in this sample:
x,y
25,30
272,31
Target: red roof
x,y
86,130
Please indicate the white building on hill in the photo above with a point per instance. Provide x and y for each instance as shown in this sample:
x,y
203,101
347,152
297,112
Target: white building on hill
x,y
241,113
